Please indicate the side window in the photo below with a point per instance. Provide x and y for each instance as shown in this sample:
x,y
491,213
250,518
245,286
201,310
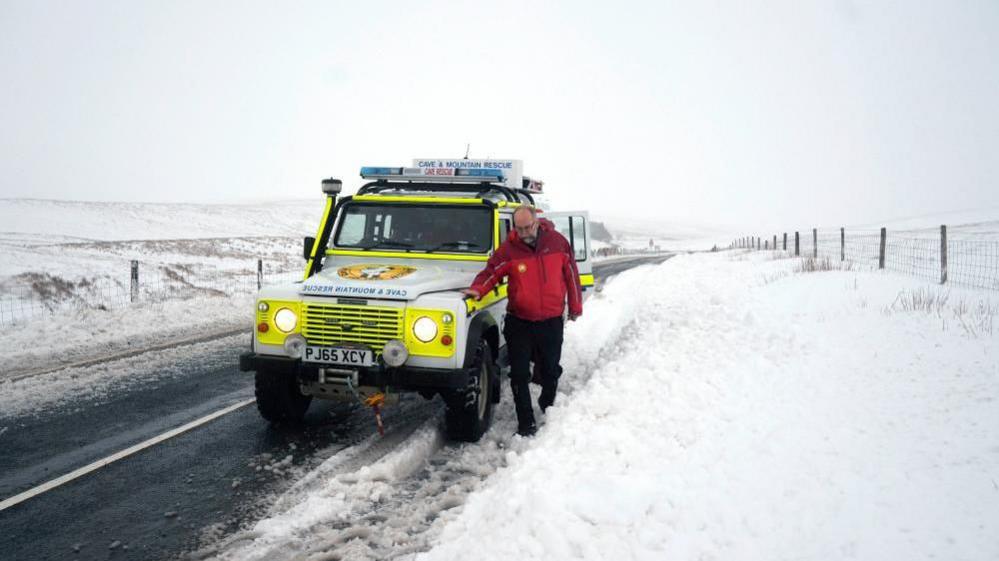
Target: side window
x,y
578,239
352,231
387,231
572,227
562,226
504,229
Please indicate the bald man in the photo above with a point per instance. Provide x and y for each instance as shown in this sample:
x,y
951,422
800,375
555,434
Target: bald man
x,y
542,276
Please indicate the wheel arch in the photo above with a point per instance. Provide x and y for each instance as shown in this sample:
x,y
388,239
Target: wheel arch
x,y
483,325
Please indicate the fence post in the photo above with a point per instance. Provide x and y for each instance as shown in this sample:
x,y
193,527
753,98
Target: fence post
x,y
943,254
842,244
815,243
884,242
774,246
134,284
785,241
797,244
260,273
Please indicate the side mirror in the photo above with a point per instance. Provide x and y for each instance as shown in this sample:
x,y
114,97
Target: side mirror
x,y
307,247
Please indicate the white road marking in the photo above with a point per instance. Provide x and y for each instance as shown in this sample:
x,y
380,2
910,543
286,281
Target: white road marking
x,y
49,485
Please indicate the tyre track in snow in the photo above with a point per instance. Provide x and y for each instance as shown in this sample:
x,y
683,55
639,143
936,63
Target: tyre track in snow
x,y
205,486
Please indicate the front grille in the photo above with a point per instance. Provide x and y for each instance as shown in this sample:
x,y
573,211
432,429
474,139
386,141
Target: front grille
x,y
331,324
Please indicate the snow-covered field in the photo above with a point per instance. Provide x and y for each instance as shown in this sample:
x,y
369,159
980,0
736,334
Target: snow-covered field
x,y
60,256
69,248
717,406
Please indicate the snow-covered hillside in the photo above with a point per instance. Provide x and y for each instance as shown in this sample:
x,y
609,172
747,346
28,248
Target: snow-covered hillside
x,y
78,254
108,221
634,234
979,223
719,406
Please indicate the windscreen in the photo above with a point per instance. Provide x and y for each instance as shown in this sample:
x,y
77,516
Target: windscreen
x,y
425,228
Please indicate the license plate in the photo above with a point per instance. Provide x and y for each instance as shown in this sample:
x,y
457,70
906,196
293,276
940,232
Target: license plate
x,y
343,356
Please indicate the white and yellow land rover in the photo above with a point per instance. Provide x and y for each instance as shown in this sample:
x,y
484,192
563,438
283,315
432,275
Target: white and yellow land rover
x,y
380,311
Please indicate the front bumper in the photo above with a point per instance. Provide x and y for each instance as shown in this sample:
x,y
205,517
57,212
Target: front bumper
x,y
403,377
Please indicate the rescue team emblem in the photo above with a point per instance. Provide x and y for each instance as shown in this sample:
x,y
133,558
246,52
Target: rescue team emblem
x,y
522,268
375,272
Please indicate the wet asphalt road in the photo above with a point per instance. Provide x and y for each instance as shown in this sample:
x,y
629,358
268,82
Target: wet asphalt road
x,y
183,493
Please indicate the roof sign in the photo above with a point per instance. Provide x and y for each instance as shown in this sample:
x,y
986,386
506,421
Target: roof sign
x,y
512,171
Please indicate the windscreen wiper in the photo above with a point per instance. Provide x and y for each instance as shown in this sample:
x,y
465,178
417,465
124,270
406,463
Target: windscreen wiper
x,y
387,243
469,245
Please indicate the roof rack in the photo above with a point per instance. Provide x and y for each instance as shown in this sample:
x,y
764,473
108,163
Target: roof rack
x,y
479,190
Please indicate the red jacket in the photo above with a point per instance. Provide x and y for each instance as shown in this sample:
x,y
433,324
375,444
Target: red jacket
x,y
541,278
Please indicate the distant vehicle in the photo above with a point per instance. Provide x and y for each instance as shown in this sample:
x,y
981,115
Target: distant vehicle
x,y
380,312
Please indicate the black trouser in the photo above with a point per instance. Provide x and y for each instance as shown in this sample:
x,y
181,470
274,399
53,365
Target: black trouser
x,y
542,342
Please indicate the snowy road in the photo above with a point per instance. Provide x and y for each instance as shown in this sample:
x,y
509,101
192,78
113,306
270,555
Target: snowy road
x,y
192,491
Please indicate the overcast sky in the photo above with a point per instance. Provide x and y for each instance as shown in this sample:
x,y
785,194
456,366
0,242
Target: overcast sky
x,y
733,113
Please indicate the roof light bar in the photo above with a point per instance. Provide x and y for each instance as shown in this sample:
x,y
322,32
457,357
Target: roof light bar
x,y
369,171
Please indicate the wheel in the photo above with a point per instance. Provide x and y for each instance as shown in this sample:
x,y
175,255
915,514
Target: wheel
x,y
278,397
470,410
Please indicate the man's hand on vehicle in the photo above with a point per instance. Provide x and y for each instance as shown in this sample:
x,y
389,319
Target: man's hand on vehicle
x,y
471,292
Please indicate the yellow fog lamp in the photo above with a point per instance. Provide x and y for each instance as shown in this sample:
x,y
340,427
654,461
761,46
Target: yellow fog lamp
x,y
294,345
395,353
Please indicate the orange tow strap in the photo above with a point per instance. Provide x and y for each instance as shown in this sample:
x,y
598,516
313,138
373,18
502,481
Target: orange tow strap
x,y
375,402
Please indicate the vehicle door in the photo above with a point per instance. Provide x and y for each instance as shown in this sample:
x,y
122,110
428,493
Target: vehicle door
x,y
574,225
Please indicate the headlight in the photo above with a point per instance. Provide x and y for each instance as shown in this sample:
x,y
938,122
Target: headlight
x,y
294,345
425,329
285,320
395,352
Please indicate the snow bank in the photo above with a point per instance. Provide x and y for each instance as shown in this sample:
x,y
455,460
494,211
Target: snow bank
x,y
749,412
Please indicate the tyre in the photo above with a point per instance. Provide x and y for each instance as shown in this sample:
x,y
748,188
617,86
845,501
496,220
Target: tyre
x,y
470,410
278,397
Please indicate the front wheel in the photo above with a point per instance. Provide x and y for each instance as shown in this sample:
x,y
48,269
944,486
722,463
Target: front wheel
x,y
470,410
278,397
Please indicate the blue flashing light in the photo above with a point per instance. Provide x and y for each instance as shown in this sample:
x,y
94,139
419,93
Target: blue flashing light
x,y
480,172
368,170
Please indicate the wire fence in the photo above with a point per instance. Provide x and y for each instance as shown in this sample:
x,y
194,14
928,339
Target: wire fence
x,y
41,294
965,262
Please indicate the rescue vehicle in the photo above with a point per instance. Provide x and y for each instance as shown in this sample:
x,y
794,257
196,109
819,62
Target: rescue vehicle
x,y
379,310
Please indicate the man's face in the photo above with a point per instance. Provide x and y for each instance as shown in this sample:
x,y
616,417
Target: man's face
x,y
526,226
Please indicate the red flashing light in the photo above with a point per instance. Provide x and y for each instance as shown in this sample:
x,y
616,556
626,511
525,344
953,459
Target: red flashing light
x,y
446,340
262,327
